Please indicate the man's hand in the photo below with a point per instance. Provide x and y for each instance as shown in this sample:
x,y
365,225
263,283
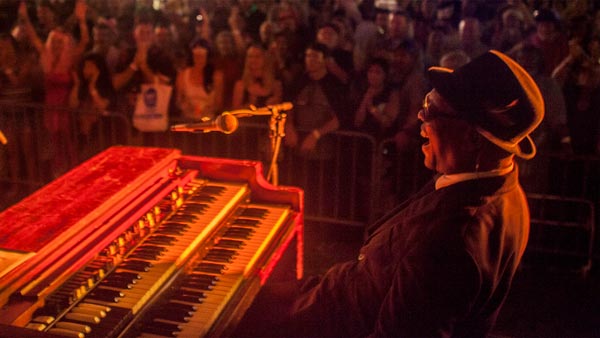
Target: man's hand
x,y
308,144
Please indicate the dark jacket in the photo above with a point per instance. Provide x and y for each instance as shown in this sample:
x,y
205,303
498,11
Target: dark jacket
x,y
440,265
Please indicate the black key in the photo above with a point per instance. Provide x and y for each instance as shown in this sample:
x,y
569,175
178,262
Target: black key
x,y
117,283
212,189
222,251
188,298
198,294
210,268
179,306
201,283
175,225
229,243
153,248
167,231
160,239
132,276
254,212
187,218
162,329
105,295
176,315
217,259
246,222
136,265
194,207
202,198
205,286
208,278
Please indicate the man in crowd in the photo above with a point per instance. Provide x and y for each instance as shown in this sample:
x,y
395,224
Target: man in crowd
x,y
441,263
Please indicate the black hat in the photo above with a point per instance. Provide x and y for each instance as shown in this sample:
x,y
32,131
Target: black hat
x,y
497,96
545,15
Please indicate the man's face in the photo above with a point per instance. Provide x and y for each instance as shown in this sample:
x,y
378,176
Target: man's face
x,y
468,31
398,26
545,30
445,147
328,36
314,60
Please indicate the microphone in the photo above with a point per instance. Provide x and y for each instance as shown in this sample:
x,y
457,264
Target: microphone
x,y
225,123
268,110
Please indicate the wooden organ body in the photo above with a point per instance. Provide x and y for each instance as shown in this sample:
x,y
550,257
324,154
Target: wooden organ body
x,y
144,242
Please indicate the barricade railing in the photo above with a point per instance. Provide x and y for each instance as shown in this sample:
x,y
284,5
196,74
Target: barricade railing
x,y
562,233
338,187
359,179
338,184
46,141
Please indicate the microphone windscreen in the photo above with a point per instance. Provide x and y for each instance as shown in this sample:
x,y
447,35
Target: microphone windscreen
x,y
227,123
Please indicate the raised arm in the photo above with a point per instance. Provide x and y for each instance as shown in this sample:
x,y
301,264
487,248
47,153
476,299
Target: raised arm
x,y
29,30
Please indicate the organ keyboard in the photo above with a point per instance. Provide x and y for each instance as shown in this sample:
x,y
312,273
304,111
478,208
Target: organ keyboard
x,y
143,242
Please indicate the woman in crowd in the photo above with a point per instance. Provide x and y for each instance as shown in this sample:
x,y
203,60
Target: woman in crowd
x,y
379,103
59,56
258,85
199,88
229,59
17,78
92,95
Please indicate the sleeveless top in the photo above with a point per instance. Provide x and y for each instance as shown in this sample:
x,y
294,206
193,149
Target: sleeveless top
x,y
196,103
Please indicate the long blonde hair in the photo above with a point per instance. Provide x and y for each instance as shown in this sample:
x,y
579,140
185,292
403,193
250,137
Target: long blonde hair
x,y
267,74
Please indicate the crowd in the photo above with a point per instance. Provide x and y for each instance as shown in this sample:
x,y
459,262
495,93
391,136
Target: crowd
x,y
345,64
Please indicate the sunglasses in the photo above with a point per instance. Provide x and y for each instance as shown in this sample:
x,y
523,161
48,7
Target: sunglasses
x,y
430,112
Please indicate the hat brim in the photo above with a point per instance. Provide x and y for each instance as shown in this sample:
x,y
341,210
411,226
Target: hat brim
x,y
525,149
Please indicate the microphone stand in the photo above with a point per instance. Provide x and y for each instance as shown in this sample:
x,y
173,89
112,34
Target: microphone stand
x,y
276,134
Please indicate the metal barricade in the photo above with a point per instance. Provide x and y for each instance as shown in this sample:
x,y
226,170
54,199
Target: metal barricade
x,y
46,141
400,175
561,234
338,188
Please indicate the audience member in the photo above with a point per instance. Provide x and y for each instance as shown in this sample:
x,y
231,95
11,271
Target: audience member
x,y
339,61
319,106
258,85
140,50
553,128
469,32
399,30
510,29
17,78
229,60
199,87
253,16
407,74
288,19
378,102
92,96
580,78
454,59
59,56
104,38
286,63
549,38
424,21
435,48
